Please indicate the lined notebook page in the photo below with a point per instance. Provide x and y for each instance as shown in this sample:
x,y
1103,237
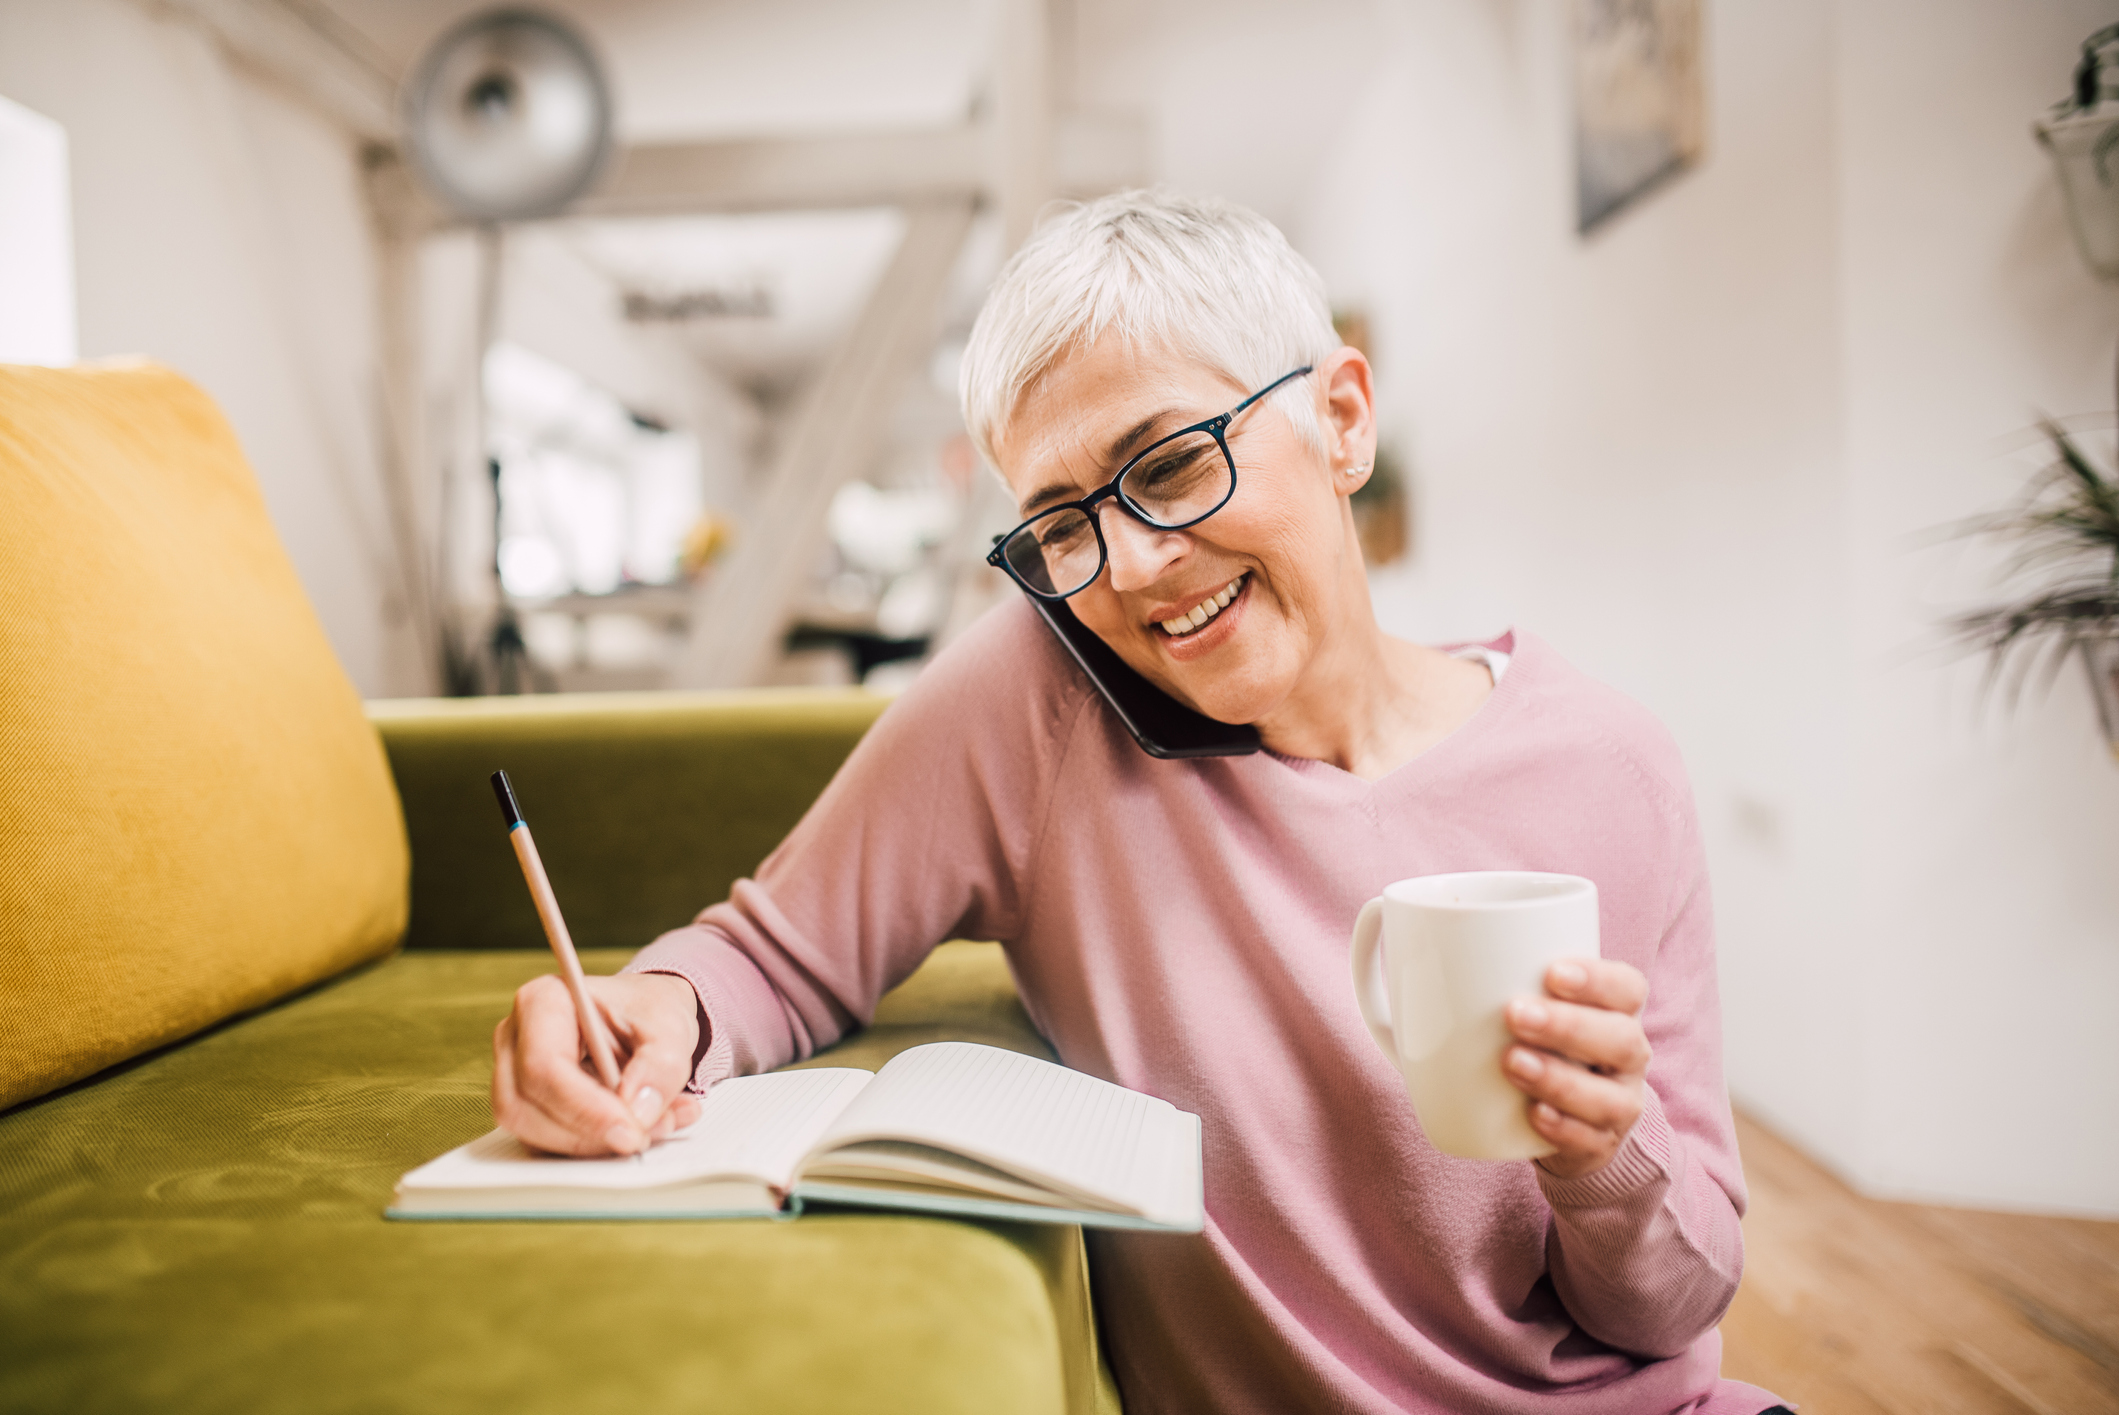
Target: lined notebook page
x,y
753,1127
1082,1136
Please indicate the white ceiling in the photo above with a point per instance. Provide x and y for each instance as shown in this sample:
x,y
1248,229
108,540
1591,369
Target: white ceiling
x,y
1240,96
716,68
813,268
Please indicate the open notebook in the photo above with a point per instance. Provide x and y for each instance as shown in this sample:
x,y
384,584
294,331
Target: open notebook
x,y
947,1128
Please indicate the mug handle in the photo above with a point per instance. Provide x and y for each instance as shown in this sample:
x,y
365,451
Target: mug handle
x,y
1368,977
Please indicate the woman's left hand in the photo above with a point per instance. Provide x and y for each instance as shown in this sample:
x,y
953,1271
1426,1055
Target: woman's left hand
x,y
1582,1060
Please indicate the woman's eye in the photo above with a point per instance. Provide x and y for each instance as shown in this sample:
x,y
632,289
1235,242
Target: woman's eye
x,y
1173,469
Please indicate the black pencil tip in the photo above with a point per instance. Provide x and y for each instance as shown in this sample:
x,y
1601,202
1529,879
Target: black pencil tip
x,y
506,793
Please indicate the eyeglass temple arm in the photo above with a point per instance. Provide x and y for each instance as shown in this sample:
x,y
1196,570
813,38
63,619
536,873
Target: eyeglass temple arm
x,y
1306,368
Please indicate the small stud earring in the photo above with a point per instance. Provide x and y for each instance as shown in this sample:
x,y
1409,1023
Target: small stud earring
x,y
1357,471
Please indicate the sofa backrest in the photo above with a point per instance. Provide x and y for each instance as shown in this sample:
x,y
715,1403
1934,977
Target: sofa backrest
x,y
195,816
646,806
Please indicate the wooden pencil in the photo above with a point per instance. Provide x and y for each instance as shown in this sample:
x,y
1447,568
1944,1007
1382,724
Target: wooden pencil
x,y
603,1050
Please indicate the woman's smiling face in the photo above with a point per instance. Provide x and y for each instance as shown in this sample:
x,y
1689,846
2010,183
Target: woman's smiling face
x,y
1277,571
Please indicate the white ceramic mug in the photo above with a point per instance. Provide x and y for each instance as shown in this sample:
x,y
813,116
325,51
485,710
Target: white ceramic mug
x,y
1436,959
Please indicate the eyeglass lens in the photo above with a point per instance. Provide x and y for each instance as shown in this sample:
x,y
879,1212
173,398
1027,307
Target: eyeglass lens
x,y
1175,484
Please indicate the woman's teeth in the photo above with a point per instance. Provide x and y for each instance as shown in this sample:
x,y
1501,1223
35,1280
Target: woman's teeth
x,y
1205,610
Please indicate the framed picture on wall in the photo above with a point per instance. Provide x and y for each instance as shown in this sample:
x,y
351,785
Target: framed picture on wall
x,y
1640,114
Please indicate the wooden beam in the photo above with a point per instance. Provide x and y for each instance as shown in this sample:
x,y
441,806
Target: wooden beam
x,y
1019,150
411,493
741,613
402,209
1093,154
299,57
787,174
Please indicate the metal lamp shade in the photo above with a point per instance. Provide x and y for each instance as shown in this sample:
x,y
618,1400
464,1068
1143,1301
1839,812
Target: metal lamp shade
x,y
508,116
2085,149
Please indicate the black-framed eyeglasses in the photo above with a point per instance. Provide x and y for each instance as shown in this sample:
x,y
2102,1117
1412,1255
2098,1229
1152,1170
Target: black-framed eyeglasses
x,y
1173,483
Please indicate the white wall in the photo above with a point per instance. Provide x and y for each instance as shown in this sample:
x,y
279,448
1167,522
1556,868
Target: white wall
x,y
36,241
1694,451
1242,98
1989,850
218,227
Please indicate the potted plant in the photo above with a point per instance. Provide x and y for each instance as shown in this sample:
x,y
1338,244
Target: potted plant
x,y
2065,532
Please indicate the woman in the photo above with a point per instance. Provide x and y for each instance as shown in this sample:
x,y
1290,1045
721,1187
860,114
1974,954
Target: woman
x,y
1180,927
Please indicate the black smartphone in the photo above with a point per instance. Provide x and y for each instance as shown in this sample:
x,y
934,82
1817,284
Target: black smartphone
x,y
1162,725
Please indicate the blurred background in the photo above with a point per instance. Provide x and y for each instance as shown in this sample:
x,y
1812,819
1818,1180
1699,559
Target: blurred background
x,y
1693,325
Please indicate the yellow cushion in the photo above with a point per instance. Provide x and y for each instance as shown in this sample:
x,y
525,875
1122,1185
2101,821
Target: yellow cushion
x,y
195,816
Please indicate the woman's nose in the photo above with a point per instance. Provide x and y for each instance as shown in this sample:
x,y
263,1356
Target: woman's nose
x,y
1138,554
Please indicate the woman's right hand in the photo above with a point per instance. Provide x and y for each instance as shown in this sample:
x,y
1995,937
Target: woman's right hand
x,y
546,1098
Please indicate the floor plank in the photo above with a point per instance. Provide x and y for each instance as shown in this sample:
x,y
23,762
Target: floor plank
x,y
1854,1306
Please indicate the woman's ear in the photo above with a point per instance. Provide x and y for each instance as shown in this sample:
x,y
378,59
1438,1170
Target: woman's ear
x,y
1349,391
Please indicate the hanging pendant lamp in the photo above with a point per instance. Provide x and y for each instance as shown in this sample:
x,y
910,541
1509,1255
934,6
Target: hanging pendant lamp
x,y
2082,134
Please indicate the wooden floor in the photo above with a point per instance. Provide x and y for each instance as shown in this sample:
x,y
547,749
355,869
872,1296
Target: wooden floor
x,y
1852,1306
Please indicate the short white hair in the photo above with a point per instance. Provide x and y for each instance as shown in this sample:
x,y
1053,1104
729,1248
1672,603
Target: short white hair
x,y
1197,277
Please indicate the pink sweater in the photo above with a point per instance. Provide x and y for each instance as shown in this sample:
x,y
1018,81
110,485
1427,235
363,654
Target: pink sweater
x,y
1181,928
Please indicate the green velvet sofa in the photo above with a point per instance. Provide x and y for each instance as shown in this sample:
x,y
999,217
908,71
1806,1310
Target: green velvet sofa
x,y
200,1229
253,944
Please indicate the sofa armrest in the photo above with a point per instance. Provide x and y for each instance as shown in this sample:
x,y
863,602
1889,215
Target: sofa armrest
x,y
647,806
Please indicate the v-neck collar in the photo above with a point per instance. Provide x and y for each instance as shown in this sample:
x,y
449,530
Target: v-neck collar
x,y
1412,776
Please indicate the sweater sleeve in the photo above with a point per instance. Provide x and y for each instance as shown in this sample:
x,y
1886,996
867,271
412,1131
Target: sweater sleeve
x,y
924,835
1646,1252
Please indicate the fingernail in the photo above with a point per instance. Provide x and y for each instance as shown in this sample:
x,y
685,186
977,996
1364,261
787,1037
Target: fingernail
x,y
1570,975
1546,1114
647,1105
1530,1014
623,1139
1526,1064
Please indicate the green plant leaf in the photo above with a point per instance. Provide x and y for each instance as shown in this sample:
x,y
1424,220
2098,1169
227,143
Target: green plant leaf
x,y
2063,530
